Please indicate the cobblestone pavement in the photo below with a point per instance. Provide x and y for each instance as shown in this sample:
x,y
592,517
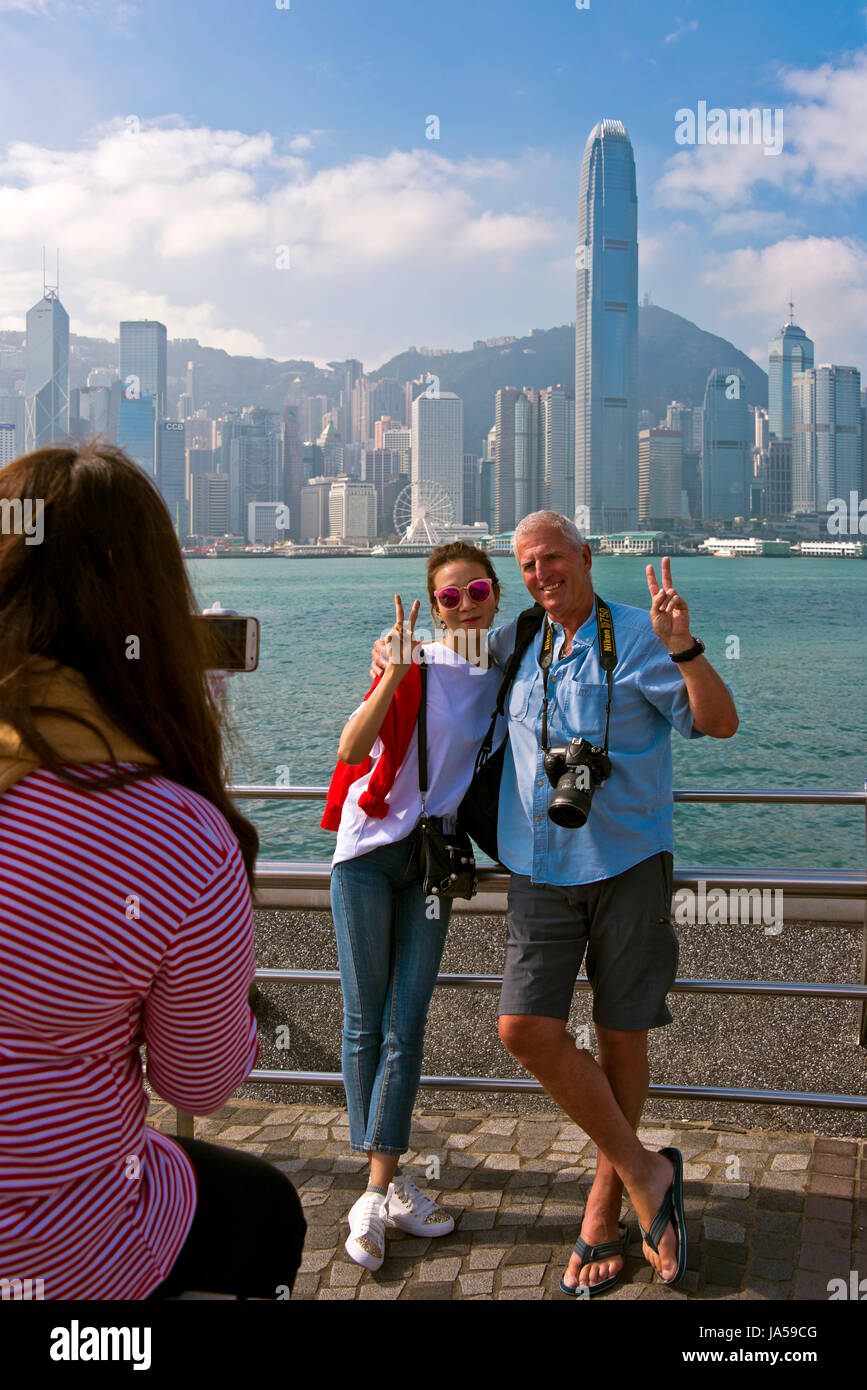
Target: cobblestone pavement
x,y
769,1215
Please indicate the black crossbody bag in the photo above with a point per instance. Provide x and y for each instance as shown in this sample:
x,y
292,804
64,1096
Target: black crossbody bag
x,y
447,865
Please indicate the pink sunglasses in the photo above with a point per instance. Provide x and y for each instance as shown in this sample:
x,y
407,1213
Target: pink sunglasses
x,y
478,590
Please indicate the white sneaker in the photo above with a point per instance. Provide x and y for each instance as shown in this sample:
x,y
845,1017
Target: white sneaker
x,y
366,1243
414,1211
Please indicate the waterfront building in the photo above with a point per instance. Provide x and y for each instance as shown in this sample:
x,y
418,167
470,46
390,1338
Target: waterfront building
x,y
379,466
315,523
352,511
660,477
210,505
826,435
790,352
46,386
142,356
775,477
292,467
606,332
262,523
438,445
171,472
726,456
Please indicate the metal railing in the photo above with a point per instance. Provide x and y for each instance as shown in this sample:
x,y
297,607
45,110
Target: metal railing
x,y
806,883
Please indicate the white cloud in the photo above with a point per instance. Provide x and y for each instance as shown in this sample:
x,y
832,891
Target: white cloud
x,y
676,34
826,275
158,219
824,149
115,13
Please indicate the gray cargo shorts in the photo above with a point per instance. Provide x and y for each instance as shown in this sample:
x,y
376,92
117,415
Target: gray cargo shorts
x,y
624,925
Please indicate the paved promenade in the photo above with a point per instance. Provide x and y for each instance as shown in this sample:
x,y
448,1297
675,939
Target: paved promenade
x,y
770,1215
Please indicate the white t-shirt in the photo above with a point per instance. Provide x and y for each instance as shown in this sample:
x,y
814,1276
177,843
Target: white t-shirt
x,y
460,701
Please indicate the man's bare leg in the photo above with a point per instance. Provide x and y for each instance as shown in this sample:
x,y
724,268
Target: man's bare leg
x,y
577,1083
623,1058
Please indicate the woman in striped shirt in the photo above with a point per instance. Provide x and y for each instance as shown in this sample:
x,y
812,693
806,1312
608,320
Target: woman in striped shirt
x,y
125,908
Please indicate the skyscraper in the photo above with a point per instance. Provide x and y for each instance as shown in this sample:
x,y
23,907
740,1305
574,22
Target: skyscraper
x,y
790,352
142,362
606,332
726,459
255,454
826,436
136,430
438,445
557,491
46,390
171,472
504,451
660,476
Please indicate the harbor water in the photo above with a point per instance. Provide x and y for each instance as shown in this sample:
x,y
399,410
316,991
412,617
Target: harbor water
x,y
788,636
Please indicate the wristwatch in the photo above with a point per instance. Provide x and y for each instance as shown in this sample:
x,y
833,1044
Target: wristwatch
x,y
689,653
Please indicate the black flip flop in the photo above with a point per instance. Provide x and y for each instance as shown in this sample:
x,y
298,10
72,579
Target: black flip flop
x,y
589,1254
671,1210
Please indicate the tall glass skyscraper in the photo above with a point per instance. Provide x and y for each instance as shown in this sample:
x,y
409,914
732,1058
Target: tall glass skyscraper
x,y
791,351
826,441
438,446
606,332
142,362
46,390
726,461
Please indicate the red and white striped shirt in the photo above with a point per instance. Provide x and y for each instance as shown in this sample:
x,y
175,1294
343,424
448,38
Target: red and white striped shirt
x,y
125,918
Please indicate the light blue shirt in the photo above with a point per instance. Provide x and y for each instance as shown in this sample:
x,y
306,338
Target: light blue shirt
x,y
631,816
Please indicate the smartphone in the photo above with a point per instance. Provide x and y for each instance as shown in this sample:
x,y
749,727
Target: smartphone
x,y
236,640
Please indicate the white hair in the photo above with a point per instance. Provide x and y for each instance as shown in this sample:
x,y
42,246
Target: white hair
x,y
535,520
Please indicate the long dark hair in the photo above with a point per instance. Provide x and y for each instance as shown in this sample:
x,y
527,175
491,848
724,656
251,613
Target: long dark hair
x,y
109,567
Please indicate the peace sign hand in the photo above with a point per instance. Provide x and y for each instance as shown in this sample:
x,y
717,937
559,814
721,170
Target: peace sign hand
x,y
669,613
400,640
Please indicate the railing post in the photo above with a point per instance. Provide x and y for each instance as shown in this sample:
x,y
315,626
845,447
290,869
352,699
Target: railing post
x,y
186,1125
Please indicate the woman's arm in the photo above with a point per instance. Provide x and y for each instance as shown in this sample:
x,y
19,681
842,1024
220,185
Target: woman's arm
x,y
361,731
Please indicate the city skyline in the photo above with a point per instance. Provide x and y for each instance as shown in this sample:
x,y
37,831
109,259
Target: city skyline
x,y
276,214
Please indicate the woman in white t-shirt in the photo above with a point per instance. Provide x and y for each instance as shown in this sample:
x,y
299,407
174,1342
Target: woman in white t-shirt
x,y
390,937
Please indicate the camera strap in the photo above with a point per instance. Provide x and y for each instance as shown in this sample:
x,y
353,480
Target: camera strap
x,y
607,660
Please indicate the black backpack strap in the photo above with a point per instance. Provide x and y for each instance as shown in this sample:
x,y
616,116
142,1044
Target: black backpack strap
x,y
529,622
422,729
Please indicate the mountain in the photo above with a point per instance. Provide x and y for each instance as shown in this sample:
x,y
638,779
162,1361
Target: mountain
x,y
674,359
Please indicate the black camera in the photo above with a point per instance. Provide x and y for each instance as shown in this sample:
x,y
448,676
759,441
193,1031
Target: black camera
x,y
575,772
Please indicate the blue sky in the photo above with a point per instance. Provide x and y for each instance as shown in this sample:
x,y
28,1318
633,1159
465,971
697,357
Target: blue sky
x,y
260,178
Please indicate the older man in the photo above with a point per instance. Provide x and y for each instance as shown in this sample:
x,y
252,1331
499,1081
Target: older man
x,y
604,886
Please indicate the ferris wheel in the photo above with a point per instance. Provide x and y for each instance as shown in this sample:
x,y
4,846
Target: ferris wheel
x,y
422,512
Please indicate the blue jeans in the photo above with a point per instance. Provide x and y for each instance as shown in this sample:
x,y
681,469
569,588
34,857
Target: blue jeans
x,y
390,942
